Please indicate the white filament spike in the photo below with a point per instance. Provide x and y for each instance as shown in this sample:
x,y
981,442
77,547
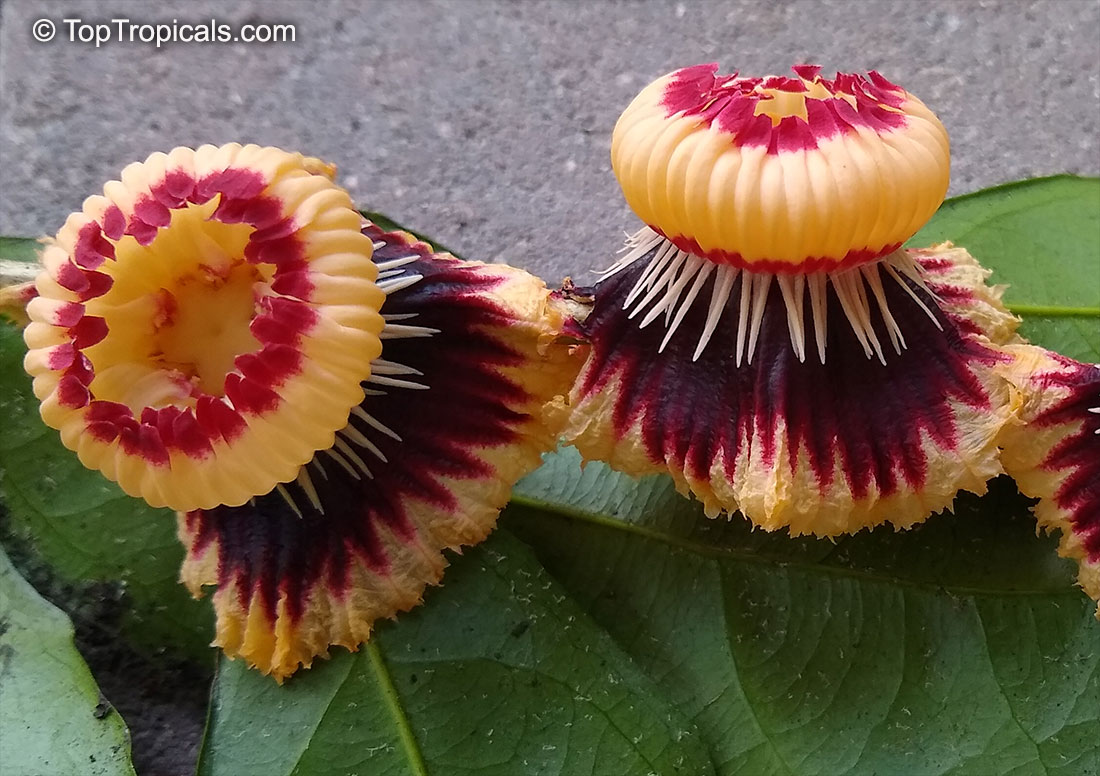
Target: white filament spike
x,y
637,245
395,382
331,453
818,291
383,367
667,303
655,267
353,456
911,269
397,331
373,392
305,482
743,316
874,281
391,264
316,462
394,317
762,283
398,284
671,273
863,310
723,283
662,283
849,301
286,497
378,244
374,423
352,434
700,279
901,282
793,288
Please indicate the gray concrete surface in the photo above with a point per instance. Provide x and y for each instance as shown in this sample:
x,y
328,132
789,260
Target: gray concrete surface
x,y
487,124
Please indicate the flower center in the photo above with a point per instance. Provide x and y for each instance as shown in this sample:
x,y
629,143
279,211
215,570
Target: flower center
x,y
179,312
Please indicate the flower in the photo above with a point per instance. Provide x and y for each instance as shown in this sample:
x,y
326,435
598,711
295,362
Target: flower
x,y
455,414
808,371
1052,450
203,327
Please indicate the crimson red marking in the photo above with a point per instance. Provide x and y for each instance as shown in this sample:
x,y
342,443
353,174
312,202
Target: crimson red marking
x,y
284,320
81,369
152,212
114,223
188,436
280,251
68,314
216,419
174,191
729,103
72,393
232,183
296,283
142,232
144,442
852,258
249,396
99,283
283,228
91,329
272,366
72,277
61,356
92,248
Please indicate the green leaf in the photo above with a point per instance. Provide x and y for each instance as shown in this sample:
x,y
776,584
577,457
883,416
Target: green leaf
x,y
958,647
498,673
1042,237
53,721
22,249
86,528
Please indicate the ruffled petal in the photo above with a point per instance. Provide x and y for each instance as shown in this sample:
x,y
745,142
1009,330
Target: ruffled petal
x,y
453,417
900,415
203,327
1052,450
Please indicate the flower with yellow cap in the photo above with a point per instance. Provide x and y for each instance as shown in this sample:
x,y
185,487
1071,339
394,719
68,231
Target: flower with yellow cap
x,y
453,417
1052,450
765,339
213,309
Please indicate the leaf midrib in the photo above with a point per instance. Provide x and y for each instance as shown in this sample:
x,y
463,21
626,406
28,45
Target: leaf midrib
x,y
397,711
565,512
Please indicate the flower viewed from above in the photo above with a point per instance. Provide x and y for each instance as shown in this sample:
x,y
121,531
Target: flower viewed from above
x,y
1053,450
765,339
203,327
454,414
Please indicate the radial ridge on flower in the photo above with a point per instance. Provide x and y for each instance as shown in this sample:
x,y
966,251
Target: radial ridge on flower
x,y
203,326
453,417
764,338
1052,450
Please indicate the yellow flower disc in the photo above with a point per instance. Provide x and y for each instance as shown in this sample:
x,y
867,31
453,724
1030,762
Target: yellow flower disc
x,y
202,328
781,174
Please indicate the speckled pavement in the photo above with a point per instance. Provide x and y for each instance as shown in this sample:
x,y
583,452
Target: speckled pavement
x,y
487,124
